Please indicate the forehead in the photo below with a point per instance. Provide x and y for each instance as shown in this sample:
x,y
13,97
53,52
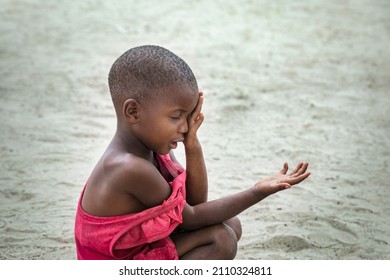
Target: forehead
x,y
177,97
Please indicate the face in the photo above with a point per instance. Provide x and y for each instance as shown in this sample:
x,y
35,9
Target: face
x,y
163,120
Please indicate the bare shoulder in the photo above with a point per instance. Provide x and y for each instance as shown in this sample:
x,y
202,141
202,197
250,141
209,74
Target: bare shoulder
x,y
124,183
140,178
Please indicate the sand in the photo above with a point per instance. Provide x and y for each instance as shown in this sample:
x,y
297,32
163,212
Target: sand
x,y
284,81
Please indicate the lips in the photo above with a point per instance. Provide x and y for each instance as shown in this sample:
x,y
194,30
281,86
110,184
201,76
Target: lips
x,y
173,144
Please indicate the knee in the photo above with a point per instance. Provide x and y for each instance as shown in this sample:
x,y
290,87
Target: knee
x,y
235,224
225,240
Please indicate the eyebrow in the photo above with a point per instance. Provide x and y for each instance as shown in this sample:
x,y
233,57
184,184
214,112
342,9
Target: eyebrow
x,y
179,110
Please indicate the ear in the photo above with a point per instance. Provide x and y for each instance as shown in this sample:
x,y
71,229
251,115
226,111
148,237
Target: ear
x,y
131,109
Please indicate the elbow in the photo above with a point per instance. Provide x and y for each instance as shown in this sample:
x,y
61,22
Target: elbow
x,y
191,220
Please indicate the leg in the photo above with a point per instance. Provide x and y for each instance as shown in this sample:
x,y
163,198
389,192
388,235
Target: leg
x,y
235,224
216,242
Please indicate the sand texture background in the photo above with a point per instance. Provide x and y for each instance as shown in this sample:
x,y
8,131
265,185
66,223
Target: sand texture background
x,y
284,81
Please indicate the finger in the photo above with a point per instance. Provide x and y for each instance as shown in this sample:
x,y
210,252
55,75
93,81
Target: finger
x,y
301,170
284,169
193,128
296,169
282,186
298,179
195,114
200,102
198,122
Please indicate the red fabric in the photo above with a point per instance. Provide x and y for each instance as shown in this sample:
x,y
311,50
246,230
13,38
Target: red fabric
x,y
143,235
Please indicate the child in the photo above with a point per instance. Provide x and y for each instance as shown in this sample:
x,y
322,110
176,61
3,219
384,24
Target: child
x,y
138,202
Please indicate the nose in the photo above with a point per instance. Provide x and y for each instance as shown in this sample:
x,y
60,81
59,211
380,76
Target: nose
x,y
183,127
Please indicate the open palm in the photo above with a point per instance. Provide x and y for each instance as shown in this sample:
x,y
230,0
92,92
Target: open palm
x,y
282,180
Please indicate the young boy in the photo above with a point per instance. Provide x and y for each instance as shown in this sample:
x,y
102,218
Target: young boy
x,y
138,202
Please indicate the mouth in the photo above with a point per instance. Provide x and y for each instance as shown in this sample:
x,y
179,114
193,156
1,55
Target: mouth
x,y
174,144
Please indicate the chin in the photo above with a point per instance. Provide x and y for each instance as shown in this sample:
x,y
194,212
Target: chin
x,y
162,152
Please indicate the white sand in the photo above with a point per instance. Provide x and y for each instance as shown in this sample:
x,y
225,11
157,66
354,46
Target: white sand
x,y
283,80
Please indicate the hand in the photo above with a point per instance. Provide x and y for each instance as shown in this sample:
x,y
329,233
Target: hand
x,y
195,120
282,180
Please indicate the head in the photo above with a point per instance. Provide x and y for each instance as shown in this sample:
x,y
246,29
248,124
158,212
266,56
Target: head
x,y
141,72
153,92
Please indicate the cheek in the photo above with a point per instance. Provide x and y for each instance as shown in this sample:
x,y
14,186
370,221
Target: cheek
x,y
165,127
174,127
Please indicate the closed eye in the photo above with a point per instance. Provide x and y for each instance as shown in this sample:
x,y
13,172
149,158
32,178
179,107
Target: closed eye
x,y
176,117
178,114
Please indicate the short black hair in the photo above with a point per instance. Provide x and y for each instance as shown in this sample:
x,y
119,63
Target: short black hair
x,y
141,71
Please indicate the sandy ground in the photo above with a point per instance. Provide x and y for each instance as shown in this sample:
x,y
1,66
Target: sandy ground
x,y
283,81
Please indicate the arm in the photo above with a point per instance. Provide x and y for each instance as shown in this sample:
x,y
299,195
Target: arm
x,y
222,209
196,182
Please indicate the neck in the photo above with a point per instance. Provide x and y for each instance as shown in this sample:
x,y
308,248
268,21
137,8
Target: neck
x,y
129,143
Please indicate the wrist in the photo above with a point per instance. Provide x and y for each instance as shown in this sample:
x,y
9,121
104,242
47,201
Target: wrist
x,y
258,193
192,148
